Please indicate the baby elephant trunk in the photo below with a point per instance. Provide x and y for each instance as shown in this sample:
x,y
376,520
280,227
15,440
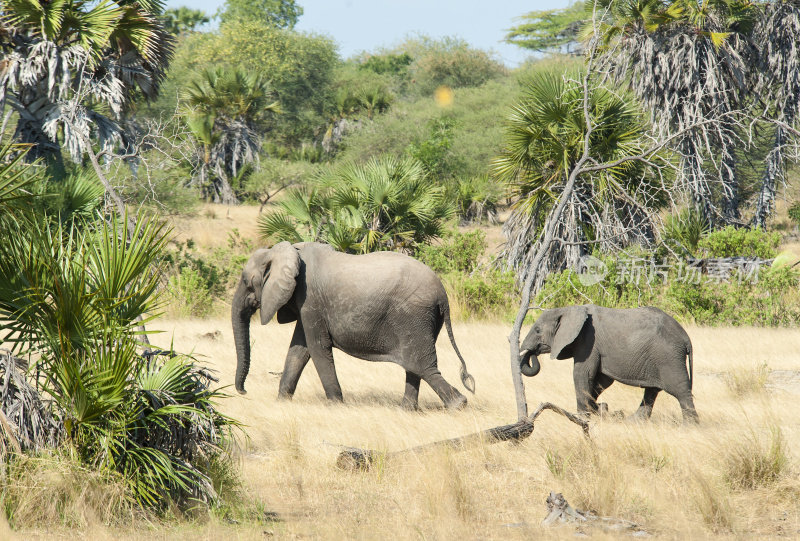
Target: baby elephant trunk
x,y
529,363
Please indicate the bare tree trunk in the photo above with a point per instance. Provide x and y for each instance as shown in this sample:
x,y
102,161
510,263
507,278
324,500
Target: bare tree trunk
x,y
772,172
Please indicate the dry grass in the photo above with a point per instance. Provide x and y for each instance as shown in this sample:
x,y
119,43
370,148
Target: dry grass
x,y
211,224
733,476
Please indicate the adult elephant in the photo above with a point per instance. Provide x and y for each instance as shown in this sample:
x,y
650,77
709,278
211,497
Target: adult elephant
x,y
379,307
643,347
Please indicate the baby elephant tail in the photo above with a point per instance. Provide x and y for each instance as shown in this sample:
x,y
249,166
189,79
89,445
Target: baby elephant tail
x,y
691,363
466,378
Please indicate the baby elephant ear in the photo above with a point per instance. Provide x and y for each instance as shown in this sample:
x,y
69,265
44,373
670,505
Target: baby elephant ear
x,y
280,273
569,327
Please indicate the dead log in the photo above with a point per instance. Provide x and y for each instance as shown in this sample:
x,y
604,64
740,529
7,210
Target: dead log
x,y
559,511
354,458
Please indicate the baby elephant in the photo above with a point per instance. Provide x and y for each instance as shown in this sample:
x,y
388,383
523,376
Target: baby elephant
x,y
639,346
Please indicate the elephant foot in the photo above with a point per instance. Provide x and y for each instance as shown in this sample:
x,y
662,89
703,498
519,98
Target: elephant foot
x,y
408,405
457,403
283,396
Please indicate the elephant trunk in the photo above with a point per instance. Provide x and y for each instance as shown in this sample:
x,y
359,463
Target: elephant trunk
x,y
241,312
529,363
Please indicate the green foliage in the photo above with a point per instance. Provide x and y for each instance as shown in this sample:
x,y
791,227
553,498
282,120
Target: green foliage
x,y
433,149
277,13
191,294
183,19
770,300
485,295
473,293
682,232
73,295
385,204
448,61
456,252
544,139
470,126
476,198
298,66
387,63
199,283
548,30
731,242
794,212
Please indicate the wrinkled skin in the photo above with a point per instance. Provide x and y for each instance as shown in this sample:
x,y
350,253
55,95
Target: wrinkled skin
x,y
378,307
643,347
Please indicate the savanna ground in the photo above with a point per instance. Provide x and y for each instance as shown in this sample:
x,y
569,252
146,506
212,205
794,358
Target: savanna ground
x,y
735,475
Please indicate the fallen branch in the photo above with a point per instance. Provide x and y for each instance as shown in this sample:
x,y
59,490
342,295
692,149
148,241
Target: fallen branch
x,y
559,511
354,458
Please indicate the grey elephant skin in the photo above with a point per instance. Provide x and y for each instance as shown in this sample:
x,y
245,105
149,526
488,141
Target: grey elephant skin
x,y
381,306
643,347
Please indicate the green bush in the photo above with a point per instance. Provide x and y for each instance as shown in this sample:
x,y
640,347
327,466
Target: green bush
x,y
794,212
449,62
476,198
197,282
731,242
472,137
486,295
771,300
190,293
457,252
683,231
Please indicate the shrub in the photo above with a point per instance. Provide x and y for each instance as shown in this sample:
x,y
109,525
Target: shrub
x,y
683,231
449,62
477,198
794,212
772,300
486,295
190,293
457,252
731,242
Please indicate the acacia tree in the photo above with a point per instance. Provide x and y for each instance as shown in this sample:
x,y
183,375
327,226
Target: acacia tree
x,y
550,30
276,13
101,55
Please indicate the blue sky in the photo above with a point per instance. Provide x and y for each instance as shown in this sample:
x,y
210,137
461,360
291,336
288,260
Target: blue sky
x,y
364,25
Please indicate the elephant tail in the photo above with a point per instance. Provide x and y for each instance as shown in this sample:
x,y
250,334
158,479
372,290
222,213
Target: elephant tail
x,y
466,378
691,363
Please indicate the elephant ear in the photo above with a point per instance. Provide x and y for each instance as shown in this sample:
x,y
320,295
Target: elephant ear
x,y
279,279
569,327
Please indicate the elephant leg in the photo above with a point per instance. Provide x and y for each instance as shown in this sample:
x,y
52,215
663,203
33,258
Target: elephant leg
x,y
447,393
601,383
584,388
646,407
296,361
411,397
322,355
687,407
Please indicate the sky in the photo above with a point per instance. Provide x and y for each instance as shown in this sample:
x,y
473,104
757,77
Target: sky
x,y
366,25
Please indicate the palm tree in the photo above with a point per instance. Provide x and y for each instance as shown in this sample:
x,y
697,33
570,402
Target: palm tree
x,y
777,36
72,67
72,294
544,139
227,110
687,61
385,204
